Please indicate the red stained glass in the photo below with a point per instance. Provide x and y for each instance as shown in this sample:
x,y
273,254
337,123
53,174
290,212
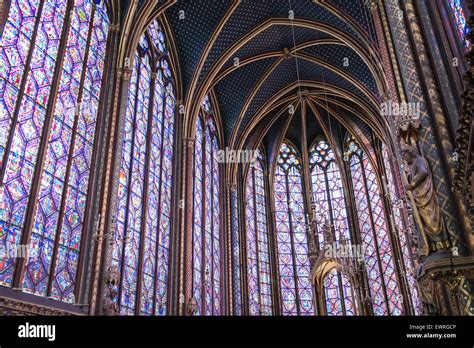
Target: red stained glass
x,y
293,260
141,249
206,227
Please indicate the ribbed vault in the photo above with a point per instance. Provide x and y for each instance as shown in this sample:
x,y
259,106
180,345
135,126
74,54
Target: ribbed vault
x,y
255,57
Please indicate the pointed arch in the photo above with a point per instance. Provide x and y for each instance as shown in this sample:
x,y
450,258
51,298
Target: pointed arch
x,y
292,244
143,227
257,240
380,262
207,253
328,196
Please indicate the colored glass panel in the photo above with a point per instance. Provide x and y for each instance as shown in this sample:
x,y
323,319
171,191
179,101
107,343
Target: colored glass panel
x,y
29,53
258,253
142,232
379,261
293,259
460,21
206,226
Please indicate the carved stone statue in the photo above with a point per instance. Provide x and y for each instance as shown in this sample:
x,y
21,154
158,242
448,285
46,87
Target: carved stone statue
x,y
112,279
428,295
420,182
191,306
110,305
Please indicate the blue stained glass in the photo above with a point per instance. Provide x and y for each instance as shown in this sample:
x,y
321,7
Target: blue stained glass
x,y
206,227
57,221
330,207
374,234
258,262
143,229
292,244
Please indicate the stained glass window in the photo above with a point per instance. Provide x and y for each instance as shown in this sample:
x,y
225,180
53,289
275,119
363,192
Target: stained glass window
x,y
236,263
379,260
339,294
47,135
206,227
258,253
142,231
459,21
327,191
292,242
329,205
402,227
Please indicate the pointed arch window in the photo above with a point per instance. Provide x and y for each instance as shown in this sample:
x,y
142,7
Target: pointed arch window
x,y
292,242
206,227
257,238
142,230
47,139
328,192
330,206
379,259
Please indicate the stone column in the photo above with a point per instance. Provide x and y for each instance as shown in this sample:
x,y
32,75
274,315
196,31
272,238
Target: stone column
x,y
420,87
186,266
113,154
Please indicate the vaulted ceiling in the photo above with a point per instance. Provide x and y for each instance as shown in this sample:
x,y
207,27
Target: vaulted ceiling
x,y
255,57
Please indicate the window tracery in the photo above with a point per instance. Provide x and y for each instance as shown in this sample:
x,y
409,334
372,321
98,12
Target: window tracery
x,y
206,229
257,238
142,229
292,243
47,137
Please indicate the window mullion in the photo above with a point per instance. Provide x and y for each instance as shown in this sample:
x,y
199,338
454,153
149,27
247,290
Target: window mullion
x,y
369,205
129,188
290,220
257,258
203,218
21,89
146,179
341,292
160,198
211,270
36,181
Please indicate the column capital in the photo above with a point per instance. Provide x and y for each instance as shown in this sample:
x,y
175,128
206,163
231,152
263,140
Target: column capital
x,y
124,73
232,186
114,27
189,142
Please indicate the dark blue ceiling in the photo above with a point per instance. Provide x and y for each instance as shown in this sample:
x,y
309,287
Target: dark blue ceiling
x,y
251,13
202,17
193,32
276,38
359,12
285,74
231,96
337,54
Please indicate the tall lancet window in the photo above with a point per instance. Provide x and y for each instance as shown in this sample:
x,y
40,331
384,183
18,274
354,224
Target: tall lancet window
x,y
401,225
330,207
379,260
52,56
206,229
142,231
293,259
257,239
